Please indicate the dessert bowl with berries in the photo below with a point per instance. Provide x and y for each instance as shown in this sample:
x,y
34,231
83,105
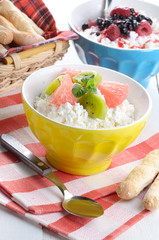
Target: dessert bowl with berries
x,y
126,40
84,114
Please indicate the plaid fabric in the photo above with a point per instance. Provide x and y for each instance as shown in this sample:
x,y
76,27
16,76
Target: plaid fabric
x,y
34,196
40,14
63,36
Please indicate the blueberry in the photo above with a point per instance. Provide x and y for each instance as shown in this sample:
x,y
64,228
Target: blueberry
x,y
99,21
107,23
101,27
131,17
124,30
132,10
130,27
140,17
149,20
121,17
135,24
115,17
97,33
84,26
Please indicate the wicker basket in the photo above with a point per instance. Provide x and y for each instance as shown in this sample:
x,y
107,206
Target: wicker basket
x,y
13,75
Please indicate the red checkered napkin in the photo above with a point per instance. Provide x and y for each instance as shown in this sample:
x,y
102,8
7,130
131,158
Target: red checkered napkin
x,y
40,14
40,200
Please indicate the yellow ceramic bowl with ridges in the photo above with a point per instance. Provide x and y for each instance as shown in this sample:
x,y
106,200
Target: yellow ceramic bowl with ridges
x,y
82,151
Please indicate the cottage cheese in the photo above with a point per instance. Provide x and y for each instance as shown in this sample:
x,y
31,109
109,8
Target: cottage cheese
x,y
133,41
77,116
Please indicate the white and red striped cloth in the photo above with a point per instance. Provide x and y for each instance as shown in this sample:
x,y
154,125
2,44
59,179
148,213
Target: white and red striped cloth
x,y
29,194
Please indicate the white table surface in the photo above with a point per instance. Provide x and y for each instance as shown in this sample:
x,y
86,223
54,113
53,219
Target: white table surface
x,y
16,227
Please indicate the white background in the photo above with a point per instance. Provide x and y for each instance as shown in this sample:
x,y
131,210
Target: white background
x,y
16,227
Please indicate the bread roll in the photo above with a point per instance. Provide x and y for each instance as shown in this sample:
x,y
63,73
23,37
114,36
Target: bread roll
x,y
24,38
151,199
3,49
140,177
35,27
20,38
15,16
6,35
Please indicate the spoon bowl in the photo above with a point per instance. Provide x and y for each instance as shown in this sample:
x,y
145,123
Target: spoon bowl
x,y
82,206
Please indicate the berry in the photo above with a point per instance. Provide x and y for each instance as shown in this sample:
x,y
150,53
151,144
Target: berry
x,y
84,26
113,32
135,24
132,11
99,21
107,23
125,12
149,20
124,31
144,28
115,16
97,33
140,17
130,26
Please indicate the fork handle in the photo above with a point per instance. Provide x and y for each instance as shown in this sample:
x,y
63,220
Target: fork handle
x,y
24,154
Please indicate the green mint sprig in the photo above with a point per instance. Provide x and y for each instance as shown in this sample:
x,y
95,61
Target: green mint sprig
x,y
86,84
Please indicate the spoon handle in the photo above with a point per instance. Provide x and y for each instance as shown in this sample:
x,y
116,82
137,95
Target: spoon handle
x,y
31,160
24,154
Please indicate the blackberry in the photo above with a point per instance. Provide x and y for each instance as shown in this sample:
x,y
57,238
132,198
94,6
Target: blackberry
x,y
140,17
84,26
149,20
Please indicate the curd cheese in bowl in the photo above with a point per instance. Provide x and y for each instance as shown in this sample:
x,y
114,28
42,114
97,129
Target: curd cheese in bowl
x,y
59,104
82,130
124,27
126,41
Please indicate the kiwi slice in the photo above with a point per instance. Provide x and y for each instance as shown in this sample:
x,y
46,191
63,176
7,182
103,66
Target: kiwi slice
x,y
94,104
97,77
53,85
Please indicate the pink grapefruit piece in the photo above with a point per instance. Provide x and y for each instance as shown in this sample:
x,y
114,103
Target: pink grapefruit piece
x,y
72,72
63,93
113,92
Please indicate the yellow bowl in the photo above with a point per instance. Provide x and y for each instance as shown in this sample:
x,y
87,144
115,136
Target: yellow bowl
x,y
82,151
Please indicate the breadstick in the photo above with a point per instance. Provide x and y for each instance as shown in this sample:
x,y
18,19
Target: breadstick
x,y
20,38
15,16
140,177
6,35
151,198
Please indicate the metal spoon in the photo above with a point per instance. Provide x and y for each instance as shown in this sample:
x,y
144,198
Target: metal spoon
x,y
76,205
105,6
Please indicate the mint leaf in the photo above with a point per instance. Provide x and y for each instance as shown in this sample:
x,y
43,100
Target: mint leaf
x,y
78,90
90,83
86,78
92,90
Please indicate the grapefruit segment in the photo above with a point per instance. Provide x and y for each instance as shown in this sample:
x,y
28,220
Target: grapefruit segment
x,y
63,93
113,92
72,72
